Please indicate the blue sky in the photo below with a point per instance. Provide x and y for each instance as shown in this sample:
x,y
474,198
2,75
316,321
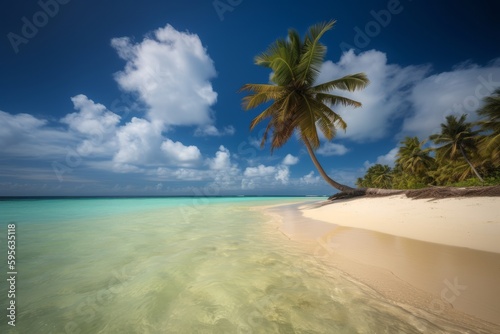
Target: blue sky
x,y
141,98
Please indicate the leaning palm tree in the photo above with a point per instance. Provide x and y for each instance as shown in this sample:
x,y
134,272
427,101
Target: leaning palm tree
x,y
490,125
456,138
299,104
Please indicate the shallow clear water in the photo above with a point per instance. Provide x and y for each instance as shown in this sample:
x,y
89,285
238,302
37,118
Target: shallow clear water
x,y
179,265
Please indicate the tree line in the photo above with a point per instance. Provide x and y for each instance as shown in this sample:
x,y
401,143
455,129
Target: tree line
x,y
462,154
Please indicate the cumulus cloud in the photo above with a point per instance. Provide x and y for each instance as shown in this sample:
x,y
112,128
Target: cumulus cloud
x,y
221,161
141,143
179,153
290,160
95,123
328,149
223,172
310,179
282,174
138,140
92,118
263,176
384,100
171,72
259,171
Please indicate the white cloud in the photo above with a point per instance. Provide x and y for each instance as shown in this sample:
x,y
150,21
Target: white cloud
x,y
458,92
171,72
23,135
138,140
310,179
283,174
141,143
92,118
328,149
224,173
95,123
24,123
221,161
180,154
290,160
259,171
15,127
389,158
384,100
210,130
265,176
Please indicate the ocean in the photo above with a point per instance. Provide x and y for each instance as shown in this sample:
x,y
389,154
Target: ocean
x,y
176,265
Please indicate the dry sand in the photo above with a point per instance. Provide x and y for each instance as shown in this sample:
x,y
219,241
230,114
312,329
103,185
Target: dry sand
x,y
442,256
471,222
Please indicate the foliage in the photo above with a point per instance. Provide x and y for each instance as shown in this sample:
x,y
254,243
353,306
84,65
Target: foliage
x,y
464,151
298,104
489,143
377,176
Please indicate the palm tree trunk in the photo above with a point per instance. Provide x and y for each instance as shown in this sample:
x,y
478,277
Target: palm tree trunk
x,y
470,164
322,172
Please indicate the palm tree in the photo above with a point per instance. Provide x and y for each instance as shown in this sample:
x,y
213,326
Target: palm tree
x,y
456,136
413,158
490,124
377,176
298,102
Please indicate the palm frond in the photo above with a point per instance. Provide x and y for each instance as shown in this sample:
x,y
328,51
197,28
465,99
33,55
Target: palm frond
x,y
349,82
306,121
313,53
269,112
281,59
264,93
335,100
328,117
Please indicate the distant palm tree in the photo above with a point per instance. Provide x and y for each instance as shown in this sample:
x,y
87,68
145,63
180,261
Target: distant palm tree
x,y
378,176
490,124
413,158
298,102
456,138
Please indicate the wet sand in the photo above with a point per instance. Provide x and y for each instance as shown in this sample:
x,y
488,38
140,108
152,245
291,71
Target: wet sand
x,y
439,278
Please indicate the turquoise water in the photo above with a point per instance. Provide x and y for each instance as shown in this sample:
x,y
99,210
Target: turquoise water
x,y
179,265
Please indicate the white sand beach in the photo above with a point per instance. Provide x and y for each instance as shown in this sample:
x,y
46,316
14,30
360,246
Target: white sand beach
x,y
471,222
442,256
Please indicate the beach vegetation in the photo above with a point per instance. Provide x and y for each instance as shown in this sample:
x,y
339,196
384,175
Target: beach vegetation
x,y
489,123
377,176
463,154
458,142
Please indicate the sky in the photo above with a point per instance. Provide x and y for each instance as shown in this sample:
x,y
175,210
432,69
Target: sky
x,y
134,98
